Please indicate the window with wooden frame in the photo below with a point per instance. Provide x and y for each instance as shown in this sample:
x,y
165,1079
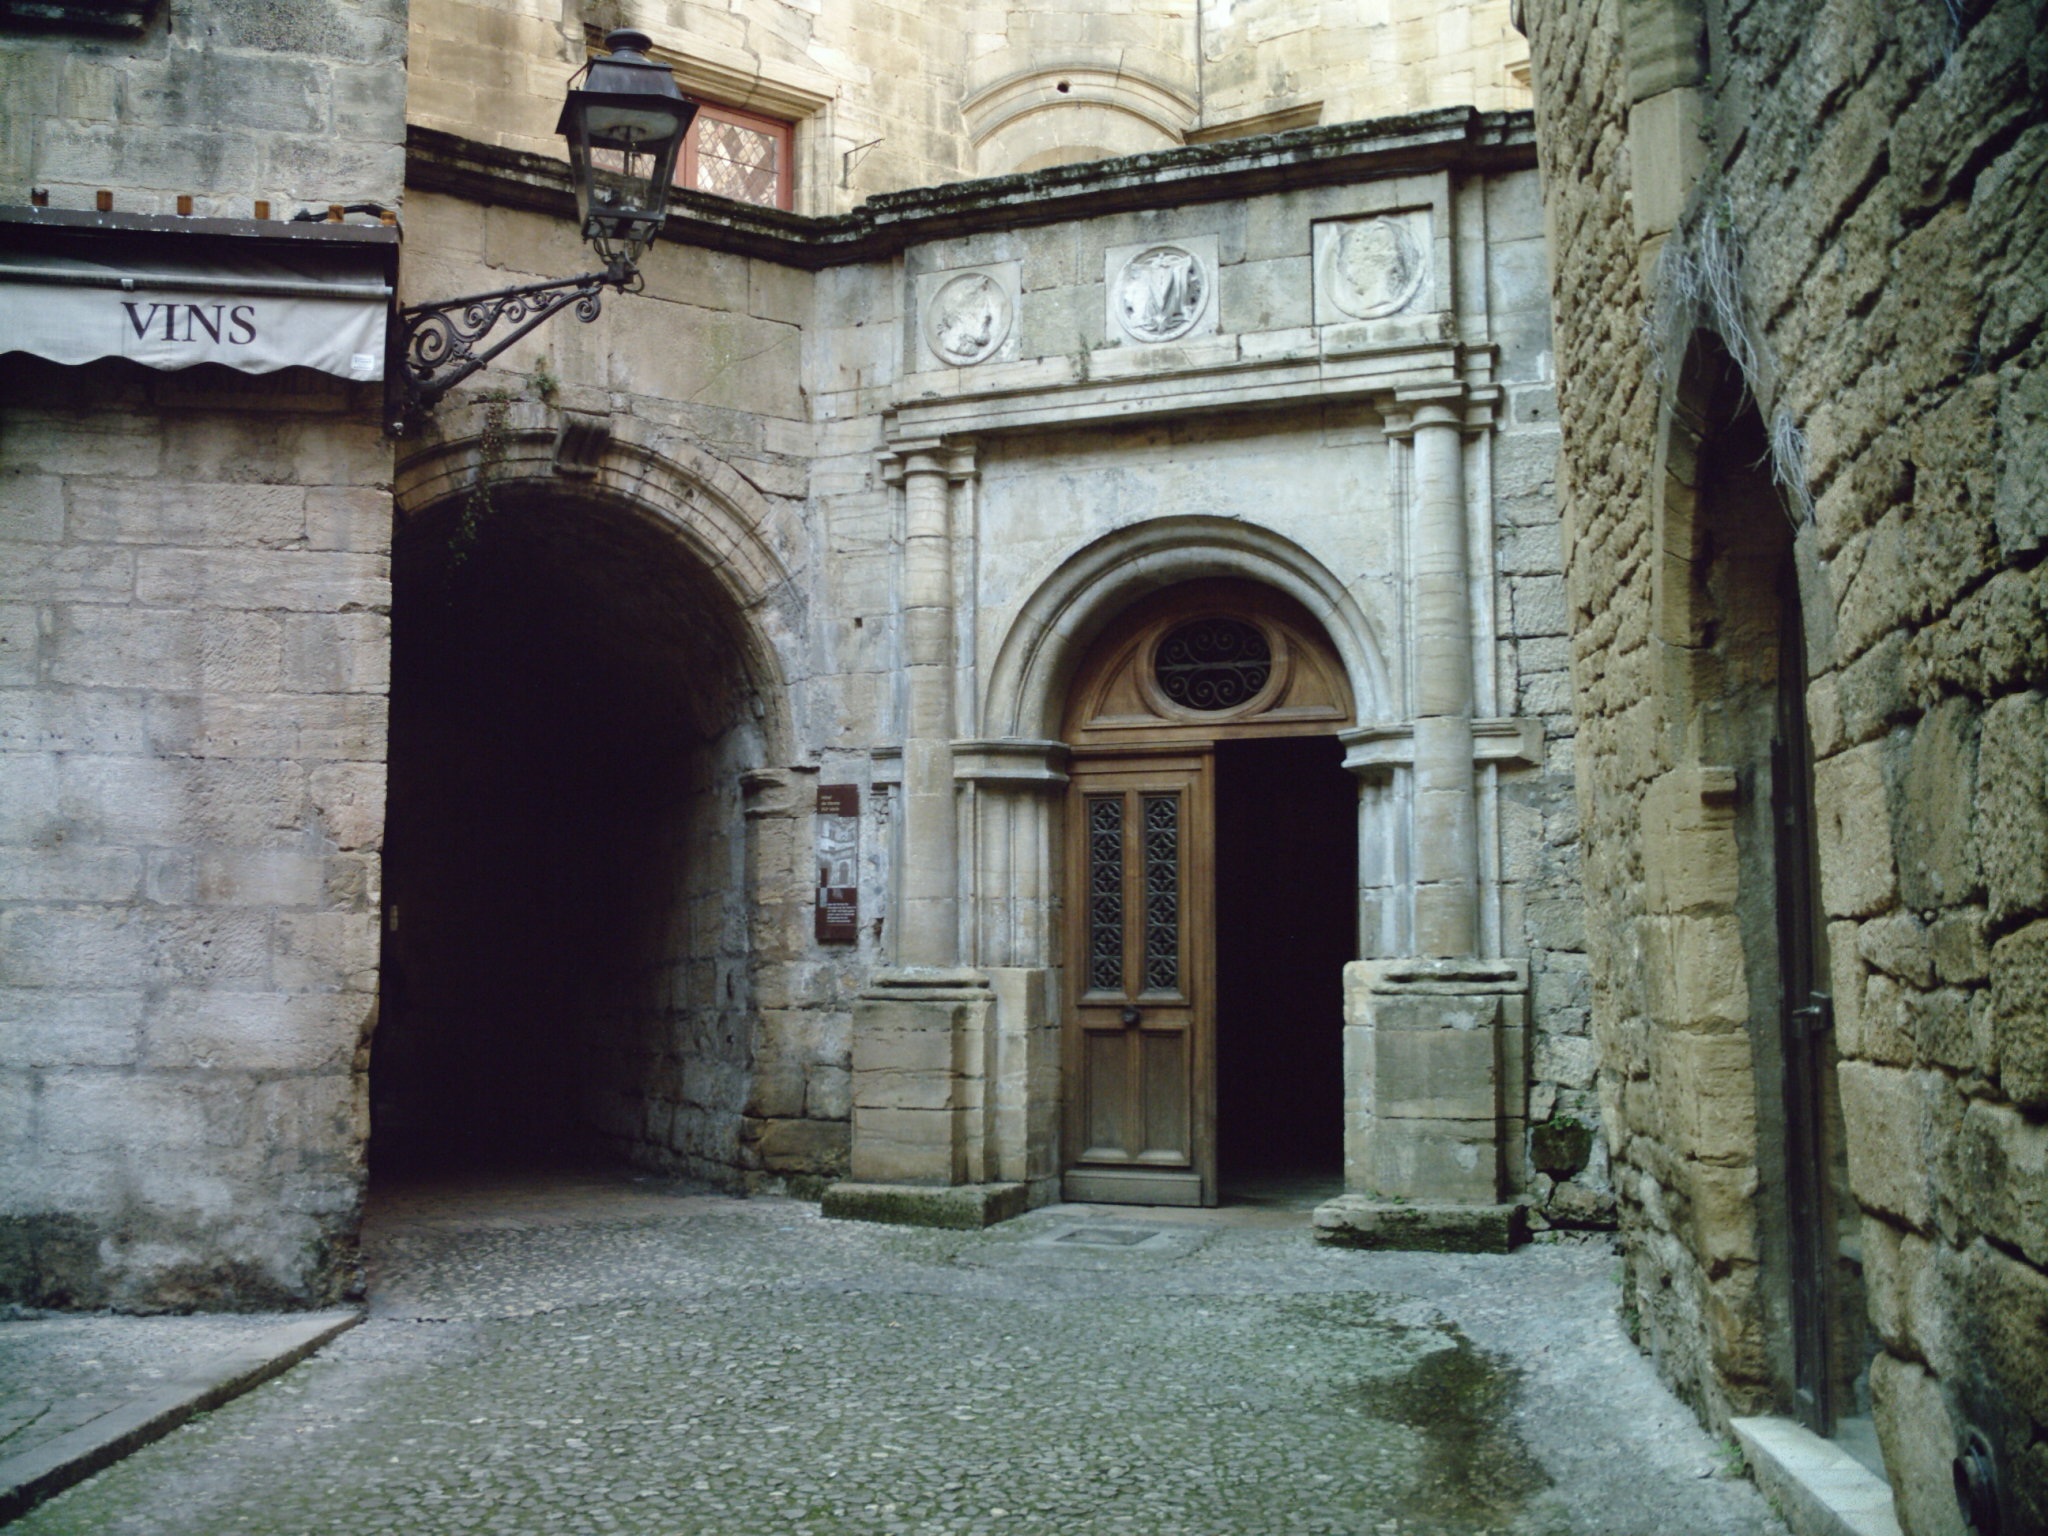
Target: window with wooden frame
x,y
740,155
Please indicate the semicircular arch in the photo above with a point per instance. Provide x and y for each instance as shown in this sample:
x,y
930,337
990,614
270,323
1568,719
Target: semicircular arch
x,y
714,515
1052,632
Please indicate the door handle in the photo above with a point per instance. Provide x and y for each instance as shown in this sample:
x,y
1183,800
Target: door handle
x,y
1129,1015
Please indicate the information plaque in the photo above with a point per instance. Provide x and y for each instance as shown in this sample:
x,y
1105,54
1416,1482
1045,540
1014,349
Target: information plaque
x,y
838,863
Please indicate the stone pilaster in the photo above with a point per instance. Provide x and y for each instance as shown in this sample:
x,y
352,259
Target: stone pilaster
x,y
1433,1042
925,1057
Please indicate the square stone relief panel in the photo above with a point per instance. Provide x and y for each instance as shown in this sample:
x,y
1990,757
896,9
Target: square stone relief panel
x,y
1160,290
966,315
1373,267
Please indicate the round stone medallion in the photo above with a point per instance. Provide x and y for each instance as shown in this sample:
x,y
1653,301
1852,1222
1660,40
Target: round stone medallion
x,y
968,319
1160,294
1375,268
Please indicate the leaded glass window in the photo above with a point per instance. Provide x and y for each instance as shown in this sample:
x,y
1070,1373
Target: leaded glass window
x,y
738,155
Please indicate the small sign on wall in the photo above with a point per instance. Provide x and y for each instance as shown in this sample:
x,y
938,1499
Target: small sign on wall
x,y
838,863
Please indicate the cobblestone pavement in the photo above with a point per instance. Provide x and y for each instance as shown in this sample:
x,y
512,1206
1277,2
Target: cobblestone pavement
x,y
614,1356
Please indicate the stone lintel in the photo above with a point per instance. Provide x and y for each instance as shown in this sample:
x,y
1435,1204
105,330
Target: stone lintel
x,y
1361,1221
958,1207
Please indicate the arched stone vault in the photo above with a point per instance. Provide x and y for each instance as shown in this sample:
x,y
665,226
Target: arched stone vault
x,y
687,824
714,513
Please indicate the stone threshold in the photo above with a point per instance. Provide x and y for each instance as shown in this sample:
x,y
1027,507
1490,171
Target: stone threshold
x,y
1361,1221
956,1207
1819,1488
35,1475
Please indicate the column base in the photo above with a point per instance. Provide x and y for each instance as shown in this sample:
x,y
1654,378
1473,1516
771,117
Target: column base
x,y
1364,1221
956,1207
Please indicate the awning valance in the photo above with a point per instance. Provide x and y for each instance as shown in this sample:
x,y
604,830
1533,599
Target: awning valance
x,y
254,313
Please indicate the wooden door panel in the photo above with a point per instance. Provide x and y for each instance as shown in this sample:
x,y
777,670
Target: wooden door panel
x,y
1109,1090
1164,1078
1139,1090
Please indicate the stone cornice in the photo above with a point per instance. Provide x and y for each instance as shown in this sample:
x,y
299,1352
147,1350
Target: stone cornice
x,y
1458,138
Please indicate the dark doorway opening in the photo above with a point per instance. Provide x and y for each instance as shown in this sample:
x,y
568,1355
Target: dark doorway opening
x,y
1286,924
1751,665
565,976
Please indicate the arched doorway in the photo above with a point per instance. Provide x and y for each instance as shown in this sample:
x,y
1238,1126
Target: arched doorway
x,y
566,958
1211,898
1737,629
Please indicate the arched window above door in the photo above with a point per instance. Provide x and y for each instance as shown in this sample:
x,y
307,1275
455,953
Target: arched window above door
x,y
1206,660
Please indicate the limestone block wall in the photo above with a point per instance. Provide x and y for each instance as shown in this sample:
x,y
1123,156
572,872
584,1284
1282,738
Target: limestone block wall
x,y
802,383
1377,60
1872,181
889,95
225,102
192,716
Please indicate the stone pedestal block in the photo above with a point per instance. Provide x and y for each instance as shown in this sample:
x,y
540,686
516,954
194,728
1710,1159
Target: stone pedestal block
x,y
1432,1059
922,1060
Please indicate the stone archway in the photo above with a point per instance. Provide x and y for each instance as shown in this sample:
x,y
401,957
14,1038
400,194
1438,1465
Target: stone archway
x,y
588,698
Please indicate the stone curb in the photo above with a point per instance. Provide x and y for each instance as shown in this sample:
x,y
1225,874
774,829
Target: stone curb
x,y
28,1479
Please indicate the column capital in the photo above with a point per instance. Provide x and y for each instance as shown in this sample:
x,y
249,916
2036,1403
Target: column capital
x,y
952,457
1470,408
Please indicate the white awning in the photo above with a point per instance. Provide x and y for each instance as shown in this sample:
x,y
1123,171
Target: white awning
x,y
254,314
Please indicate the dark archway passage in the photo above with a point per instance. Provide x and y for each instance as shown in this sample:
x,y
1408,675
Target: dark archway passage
x,y
565,954
1286,924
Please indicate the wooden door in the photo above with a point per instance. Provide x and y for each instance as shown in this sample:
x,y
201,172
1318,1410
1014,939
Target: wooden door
x,y
1139,1094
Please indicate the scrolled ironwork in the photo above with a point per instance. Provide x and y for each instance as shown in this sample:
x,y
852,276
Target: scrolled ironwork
x,y
442,344
1106,893
1162,893
1213,663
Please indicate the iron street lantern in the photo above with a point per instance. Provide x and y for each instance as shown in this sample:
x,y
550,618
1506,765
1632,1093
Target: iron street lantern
x,y
625,125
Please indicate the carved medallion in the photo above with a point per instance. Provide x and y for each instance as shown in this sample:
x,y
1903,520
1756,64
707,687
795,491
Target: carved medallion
x,y
1160,293
1375,268
968,319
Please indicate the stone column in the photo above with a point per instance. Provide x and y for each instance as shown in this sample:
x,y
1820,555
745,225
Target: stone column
x,y
1432,1039
928,911
923,1048
1445,833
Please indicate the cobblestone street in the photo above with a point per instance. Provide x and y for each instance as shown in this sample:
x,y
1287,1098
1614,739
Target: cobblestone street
x,y
598,1356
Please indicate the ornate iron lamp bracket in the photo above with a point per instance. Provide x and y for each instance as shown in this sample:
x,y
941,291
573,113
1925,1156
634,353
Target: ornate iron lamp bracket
x,y
437,346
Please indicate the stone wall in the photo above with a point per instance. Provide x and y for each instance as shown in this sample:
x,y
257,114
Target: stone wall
x,y
192,685
1869,184
889,96
191,767
801,383
226,101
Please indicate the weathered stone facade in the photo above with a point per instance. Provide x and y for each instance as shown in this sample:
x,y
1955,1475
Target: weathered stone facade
x,y
838,501
1798,281
193,668
889,95
781,384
